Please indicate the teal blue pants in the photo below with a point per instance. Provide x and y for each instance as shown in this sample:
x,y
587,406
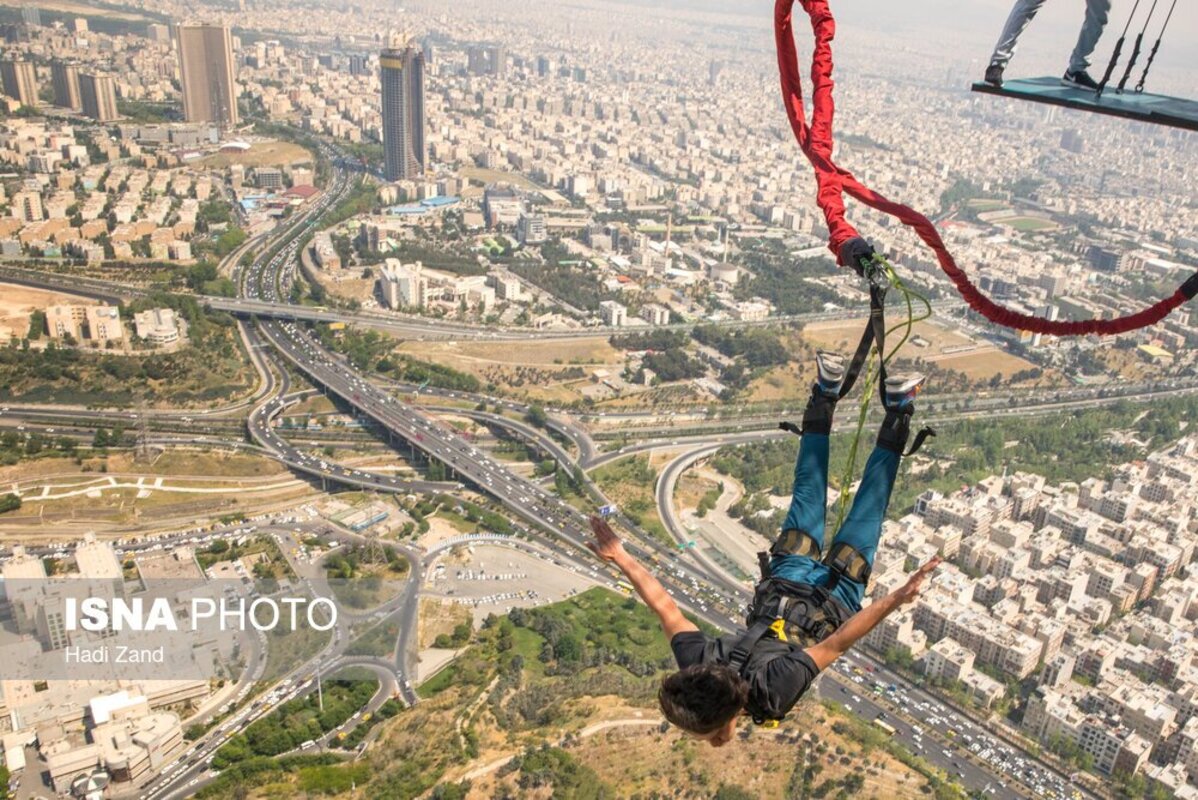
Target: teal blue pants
x,y
862,527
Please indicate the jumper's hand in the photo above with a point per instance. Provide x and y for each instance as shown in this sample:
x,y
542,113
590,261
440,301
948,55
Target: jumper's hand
x,y
606,544
910,590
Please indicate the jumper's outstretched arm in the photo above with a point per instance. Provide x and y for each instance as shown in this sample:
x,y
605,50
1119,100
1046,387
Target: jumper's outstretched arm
x,y
865,620
607,546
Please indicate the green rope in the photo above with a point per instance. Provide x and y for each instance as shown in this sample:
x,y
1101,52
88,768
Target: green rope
x,y
874,371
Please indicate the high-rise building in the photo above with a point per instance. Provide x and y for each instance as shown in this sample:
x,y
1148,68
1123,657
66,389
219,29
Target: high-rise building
x,y
98,95
1072,141
359,65
488,60
31,15
714,69
20,81
476,61
158,32
65,78
206,69
401,72
496,60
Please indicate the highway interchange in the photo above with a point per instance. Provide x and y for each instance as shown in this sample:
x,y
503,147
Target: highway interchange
x,y
709,595
275,330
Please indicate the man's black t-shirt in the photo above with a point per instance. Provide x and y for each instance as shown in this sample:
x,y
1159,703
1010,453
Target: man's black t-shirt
x,y
773,691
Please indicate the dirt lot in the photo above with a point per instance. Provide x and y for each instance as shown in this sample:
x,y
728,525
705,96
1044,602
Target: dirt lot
x,y
471,356
983,364
552,371
17,302
440,617
262,154
790,383
212,464
843,336
692,486
976,359
313,405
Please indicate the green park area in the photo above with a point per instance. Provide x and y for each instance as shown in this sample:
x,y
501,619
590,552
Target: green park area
x,y
529,689
1031,224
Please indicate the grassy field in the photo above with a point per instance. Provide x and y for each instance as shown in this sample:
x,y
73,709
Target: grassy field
x,y
261,154
1030,224
373,639
497,176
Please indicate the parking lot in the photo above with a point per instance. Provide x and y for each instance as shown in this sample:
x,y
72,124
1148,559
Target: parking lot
x,y
494,579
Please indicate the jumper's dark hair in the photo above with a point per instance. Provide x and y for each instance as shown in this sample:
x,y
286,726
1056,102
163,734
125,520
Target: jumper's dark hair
x,y
703,697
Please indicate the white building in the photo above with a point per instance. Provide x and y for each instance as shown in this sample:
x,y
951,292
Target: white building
x,y
157,326
325,252
507,287
531,229
655,314
614,314
403,285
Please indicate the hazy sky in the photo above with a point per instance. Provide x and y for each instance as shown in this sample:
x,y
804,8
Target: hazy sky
x,y
958,21
965,14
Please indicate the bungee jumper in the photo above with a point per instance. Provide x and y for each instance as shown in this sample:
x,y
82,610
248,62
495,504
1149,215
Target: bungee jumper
x,y
833,182
807,609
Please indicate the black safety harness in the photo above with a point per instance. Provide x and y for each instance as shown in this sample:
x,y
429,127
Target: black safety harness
x,y
783,615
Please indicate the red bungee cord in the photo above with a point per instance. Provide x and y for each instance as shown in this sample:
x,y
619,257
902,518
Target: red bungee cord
x,y
833,182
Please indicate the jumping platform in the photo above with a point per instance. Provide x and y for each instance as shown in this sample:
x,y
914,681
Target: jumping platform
x,y
1151,108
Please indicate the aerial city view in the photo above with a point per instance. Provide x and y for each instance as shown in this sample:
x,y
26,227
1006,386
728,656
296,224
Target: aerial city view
x,y
598,400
